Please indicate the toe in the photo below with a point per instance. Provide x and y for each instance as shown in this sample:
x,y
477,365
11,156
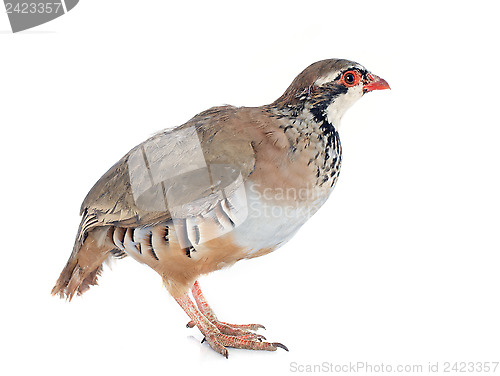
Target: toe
x,y
216,344
277,344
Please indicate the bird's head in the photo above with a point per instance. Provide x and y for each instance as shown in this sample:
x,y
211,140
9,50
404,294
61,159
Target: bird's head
x,y
328,88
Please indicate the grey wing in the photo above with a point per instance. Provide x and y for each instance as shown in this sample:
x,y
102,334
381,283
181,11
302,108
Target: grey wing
x,y
180,173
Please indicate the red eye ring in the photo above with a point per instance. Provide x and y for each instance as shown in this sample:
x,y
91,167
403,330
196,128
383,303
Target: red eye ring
x,y
350,78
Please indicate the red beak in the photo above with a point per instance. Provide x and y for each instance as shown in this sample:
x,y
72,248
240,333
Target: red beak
x,y
376,83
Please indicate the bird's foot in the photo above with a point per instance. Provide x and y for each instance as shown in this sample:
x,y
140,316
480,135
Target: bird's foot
x,y
219,334
242,331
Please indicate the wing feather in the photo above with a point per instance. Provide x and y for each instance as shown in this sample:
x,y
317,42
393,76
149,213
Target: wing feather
x,y
185,171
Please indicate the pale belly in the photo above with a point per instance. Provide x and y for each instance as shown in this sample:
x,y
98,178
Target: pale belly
x,y
272,219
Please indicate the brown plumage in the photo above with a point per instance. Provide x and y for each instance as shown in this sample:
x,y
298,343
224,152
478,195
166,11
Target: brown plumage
x,y
192,200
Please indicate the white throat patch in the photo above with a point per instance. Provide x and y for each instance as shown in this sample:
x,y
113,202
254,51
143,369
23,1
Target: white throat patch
x,y
337,108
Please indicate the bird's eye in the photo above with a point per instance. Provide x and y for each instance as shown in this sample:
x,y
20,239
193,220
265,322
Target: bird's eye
x,y
350,78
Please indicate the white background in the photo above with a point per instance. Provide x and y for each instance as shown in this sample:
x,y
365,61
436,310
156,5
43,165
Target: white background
x,y
401,266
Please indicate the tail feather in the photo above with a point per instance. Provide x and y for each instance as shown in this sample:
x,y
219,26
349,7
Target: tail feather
x,y
85,264
64,279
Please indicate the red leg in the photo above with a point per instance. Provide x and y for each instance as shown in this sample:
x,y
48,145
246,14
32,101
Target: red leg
x,y
224,327
208,329
217,340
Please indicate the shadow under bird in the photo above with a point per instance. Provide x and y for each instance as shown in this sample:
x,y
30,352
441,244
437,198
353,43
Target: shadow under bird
x,y
232,183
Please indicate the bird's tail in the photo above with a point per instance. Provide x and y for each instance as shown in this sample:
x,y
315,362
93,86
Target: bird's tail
x,y
85,263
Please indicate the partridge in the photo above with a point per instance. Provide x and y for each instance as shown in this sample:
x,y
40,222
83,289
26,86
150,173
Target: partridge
x,y
232,183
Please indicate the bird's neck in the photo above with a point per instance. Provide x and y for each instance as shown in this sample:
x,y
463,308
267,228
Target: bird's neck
x,y
314,122
308,128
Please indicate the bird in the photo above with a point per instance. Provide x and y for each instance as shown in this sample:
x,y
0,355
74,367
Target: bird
x,y
232,183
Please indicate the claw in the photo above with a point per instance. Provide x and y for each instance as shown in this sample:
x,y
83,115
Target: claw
x,y
204,339
277,344
190,324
